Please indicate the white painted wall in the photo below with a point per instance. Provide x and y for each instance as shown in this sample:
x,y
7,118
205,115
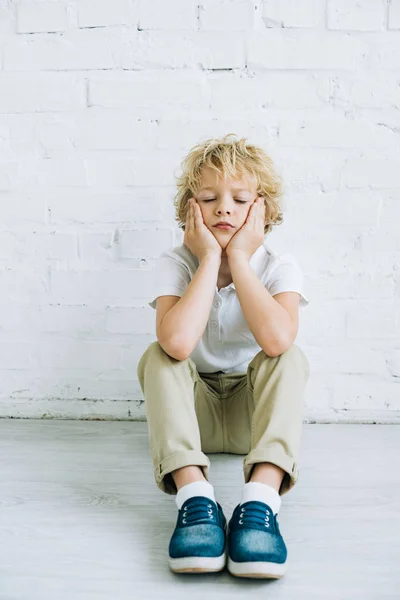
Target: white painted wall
x,y
99,103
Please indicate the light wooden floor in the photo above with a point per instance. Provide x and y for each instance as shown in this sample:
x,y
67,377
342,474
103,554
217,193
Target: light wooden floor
x,y
82,518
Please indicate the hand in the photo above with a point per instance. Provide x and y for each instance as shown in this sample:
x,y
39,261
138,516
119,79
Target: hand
x,y
198,238
251,234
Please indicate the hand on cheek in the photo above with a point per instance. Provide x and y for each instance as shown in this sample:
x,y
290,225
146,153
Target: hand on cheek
x,y
251,235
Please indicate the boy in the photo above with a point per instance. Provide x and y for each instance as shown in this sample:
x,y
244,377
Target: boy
x,y
224,375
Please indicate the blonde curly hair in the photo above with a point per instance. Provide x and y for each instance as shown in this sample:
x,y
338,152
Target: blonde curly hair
x,y
230,158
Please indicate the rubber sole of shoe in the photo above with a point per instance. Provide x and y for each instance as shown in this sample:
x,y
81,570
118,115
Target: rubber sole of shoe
x,y
198,564
257,570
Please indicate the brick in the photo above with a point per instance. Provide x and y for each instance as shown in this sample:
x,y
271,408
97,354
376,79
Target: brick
x,y
389,213
236,15
278,89
174,14
134,90
134,321
64,319
57,132
25,286
220,50
122,244
324,325
352,208
8,176
372,89
141,205
35,17
365,322
366,393
292,13
376,173
352,358
362,250
83,49
92,13
100,287
339,132
79,354
7,25
356,15
296,49
107,130
394,14
16,203
67,171
21,354
165,49
339,287
393,363
110,172
37,247
144,168
310,169
383,52
41,92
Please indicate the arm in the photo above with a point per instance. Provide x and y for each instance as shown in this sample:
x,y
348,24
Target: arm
x,y
268,321
185,323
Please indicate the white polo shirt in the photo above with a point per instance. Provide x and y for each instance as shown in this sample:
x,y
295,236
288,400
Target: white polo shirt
x,y
227,343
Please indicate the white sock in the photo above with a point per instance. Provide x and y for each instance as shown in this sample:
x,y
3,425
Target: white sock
x,y
262,492
196,488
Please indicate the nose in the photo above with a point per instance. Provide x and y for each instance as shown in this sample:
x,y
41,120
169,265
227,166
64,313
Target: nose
x,y
224,208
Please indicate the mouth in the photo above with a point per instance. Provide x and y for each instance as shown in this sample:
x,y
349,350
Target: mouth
x,y
223,226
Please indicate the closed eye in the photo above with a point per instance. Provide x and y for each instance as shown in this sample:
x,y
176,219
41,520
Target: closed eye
x,y
241,201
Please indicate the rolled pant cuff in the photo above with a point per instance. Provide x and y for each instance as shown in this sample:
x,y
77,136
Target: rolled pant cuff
x,y
178,460
276,456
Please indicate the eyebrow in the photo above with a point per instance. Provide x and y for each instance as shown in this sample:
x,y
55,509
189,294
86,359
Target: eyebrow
x,y
233,189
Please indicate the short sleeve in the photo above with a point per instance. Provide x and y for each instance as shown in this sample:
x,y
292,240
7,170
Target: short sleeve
x,y
171,277
287,276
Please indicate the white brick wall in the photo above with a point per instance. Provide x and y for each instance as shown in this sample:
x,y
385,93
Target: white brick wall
x,y
99,103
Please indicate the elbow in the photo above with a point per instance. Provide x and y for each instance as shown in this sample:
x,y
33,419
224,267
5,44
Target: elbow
x,y
174,349
271,353
277,349
180,352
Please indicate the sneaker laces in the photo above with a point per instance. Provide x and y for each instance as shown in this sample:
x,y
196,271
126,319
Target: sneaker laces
x,y
200,511
254,513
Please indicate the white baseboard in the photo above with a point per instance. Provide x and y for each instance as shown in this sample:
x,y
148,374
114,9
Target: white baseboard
x,y
133,410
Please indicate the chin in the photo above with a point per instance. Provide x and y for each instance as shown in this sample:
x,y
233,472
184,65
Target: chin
x,y
223,240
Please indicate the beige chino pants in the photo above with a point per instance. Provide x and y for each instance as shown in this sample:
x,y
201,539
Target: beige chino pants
x,y
189,414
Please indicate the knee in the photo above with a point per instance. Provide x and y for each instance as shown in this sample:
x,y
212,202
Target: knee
x,y
151,353
294,354
154,348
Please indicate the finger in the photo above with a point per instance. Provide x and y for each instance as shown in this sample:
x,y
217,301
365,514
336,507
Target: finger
x,y
197,217
193,212
190,215
255,209
262,211
256,212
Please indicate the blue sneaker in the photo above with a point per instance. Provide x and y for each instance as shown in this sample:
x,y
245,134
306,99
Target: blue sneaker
x,y
255,545
198,544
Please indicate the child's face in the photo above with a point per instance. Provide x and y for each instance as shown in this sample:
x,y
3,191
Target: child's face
x,y
224,200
